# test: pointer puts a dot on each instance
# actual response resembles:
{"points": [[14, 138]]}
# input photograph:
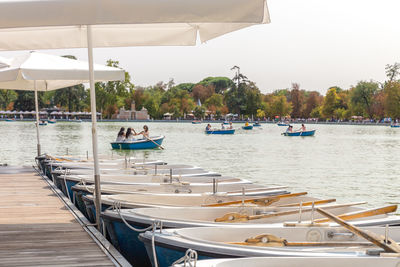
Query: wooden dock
{"points": [[37, 228]]}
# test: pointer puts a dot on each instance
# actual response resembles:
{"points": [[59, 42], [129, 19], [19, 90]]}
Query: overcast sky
{"points": [[316, 43]]}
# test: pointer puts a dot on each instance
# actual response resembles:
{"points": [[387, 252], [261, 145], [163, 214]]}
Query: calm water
{"points": [[349, 163]]}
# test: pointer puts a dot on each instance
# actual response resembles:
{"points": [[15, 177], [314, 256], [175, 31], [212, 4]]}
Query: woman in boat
{"points": [[121, 135], [208, 128], [145, 133], [303, 128], [289, 129], [246, 124], [129, 136], [230, 126], [222, 126]]}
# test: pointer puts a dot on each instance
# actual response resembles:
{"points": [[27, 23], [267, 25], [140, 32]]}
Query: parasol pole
{"points": [[37, 118], [97, 192]]}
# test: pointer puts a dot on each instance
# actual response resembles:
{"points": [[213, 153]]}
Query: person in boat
{"points": [[208, 128], [246, 124], [289, 129], [230, 126], [222, 126], [121, 135], [129, 136], [303, 128], [145, 133]]}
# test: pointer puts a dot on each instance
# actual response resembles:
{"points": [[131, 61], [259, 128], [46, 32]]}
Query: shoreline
{"points": [[218, 121]]}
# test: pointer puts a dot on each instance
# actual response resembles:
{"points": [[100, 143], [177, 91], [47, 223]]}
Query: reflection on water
{"points": [[350, 163]]}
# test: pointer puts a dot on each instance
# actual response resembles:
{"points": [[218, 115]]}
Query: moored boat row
{"points": [[217, 216]]}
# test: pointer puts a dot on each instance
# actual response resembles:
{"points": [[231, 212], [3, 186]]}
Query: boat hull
{"points": [[306, 133], [282, 124], [228, 131], [139, 144], [250, 127]]}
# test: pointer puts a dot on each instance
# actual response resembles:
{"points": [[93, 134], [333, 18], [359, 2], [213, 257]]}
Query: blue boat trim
{"points": [[221, 131], [175, 252], [250, 127], [139, 144], [305, 133]]}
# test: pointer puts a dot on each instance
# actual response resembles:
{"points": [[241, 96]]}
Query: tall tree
{"points": [[392, 99], [330, 103], [314, 99], [363, 95], [280, 107], [297, 99], [392, 71]]}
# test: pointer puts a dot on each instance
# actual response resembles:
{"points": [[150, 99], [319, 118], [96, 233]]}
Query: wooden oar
{"points": [[284, 243], [148, 138], [265, 201], [257, 189], [389, 246], [362, 214], [237, 217], [309, 203]]}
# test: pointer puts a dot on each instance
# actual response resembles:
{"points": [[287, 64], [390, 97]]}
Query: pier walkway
{"points": [[38, 228]]}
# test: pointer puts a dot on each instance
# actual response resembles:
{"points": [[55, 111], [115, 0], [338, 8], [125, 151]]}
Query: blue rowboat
{"points": [[283, 124], [196, 122], [221, 131], [250, 127], [305, 133], [226, 122], [140, 143], [10, 120], [51, 121], [43, 123], [395, 126], [256, 124]]}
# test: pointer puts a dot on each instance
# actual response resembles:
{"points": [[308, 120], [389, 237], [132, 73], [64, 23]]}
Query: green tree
{"points": [[216, 100], [363, 96], [6, 98], [392, 99], [280, 107], [199, 112], [220, 84], [72, 98]]}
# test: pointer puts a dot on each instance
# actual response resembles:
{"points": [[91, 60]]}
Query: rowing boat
{"points": [[248, 127], [261, 241], [300, 133], [145, 143], [294, 261]]}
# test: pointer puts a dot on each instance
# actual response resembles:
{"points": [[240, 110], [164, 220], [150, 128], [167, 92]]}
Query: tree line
{"points": [[218, 96]]}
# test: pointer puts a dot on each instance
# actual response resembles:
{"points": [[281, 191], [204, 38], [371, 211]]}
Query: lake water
{"points": [[349, 163]]}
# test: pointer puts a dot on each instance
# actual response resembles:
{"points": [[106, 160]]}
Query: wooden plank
{"points": [[36, 229]]}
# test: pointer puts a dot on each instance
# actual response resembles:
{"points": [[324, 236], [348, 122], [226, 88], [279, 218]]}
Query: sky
{"points": [[316, 43]]}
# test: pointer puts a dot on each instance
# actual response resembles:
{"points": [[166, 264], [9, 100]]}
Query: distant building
{"points": [[132, 114]]}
